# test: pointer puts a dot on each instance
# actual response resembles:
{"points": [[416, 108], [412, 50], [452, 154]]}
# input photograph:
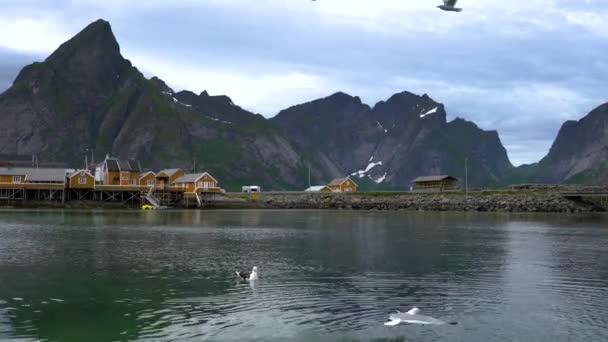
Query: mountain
{"points": [[394, 142], [579, 153], [87, 98]]}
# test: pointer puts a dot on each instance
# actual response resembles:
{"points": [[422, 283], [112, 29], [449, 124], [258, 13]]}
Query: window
{"points": [[150, 181], [125, 177], [348, 190], [205, 185], [131, 181], [199, 184], [82, 180], [16, 179]]}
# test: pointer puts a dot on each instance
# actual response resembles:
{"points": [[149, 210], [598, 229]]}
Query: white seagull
{"points": [[249, 276], [413, 317], [448, 5]]}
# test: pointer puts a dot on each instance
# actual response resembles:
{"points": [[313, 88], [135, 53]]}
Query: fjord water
{"points": [[324, 276]]}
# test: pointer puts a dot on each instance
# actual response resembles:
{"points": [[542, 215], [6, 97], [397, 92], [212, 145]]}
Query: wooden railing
{"points": [[33, 186]]}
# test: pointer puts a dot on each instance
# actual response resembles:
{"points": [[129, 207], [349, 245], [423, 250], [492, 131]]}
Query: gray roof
{"points": [[169, 172], [128, 165], [316, 188], [192, 177], [434, 178], [77, 172], [36, 175], [114, 164], [143, 174]]}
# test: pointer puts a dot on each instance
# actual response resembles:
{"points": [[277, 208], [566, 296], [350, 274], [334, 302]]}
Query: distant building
{"points": [[114, 171], [168, 176], [32, 175], [81, 179], [318, 188], [435, 183], [147, 179], [342, 185], [197, 182]]}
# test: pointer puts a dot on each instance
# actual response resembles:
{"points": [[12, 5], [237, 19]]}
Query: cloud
{"points": [[521, 67]]}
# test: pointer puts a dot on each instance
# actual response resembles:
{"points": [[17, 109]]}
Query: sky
{"points": [[521, 67]]}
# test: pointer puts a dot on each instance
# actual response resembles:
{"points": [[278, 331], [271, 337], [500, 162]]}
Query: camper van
{"points": [[251, 189]]}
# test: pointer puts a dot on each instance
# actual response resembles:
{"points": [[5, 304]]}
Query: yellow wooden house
{"points": [[10, 175], [436, 183], [113, 171], [197, 182], [16, 176], [81, 179], [168, 176], [342, 185], [147, 179]]}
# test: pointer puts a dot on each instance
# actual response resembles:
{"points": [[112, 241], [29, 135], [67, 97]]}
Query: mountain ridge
{"points": [[86, 97]]}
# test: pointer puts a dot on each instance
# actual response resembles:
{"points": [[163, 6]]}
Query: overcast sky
{"points": [[521, 67]]}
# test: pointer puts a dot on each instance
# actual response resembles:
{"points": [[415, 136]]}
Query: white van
{"points": [[251, 189]]}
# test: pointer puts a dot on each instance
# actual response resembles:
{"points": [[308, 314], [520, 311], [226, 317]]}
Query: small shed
{"points": [[168, 176], [81, 179], [436, 183], [147, 179], [318, 188], [12, 175], [198, 182], [114, 171], [342, 185]]}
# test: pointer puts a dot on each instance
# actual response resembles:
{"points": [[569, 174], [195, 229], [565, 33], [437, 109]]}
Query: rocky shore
{"points": [[481, 201]]}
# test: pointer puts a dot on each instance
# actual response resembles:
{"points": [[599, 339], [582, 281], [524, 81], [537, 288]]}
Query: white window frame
{"points": [[206, 185], [150, 181], [132, 182], [125, 178], [82, 180], [199, 184], [16, 179]]}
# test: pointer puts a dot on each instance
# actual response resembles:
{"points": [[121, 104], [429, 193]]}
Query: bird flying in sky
{"points": [[449, 5]]}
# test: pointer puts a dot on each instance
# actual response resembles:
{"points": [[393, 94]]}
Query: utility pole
{"points": [[309, 175], [466, 178]]}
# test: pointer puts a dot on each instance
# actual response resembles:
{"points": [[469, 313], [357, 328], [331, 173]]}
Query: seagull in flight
{"points": [[448, 5]]}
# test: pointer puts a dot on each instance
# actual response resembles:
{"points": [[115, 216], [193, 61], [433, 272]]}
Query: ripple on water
{"points": [[315, 305]]}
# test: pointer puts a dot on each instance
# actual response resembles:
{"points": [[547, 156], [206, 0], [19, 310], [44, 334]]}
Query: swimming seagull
{"points": [[413, 317], [448, 5], [248, 276]]}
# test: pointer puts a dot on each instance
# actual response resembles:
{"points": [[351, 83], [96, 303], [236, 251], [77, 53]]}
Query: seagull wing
{"points": [[244, 275], [414, 311], [393, 322]]}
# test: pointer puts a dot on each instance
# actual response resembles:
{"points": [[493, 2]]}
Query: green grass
{"points": [[592, 176]]}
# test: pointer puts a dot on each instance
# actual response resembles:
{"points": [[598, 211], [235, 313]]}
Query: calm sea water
{"points": [[324, 276]]}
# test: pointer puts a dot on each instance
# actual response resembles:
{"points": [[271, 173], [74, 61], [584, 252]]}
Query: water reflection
{"points": [[130, 275]]}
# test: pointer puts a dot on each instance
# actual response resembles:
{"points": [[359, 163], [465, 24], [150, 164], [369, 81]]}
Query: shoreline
{"points": [[482, 201]]}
